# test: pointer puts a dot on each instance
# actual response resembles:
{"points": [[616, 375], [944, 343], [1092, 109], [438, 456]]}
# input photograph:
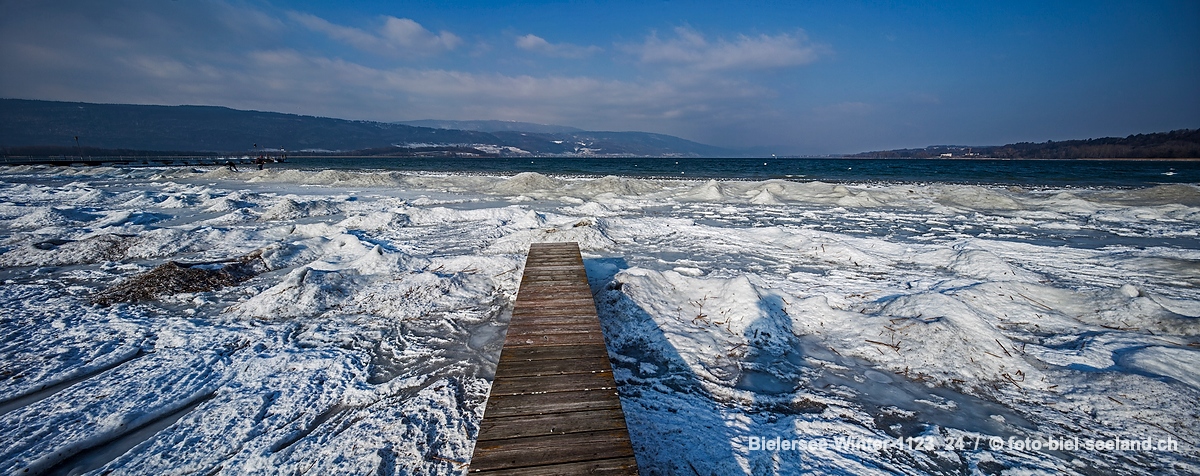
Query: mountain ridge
{"points": [[32, 125], [26, 122], [1176, 144], [491, 126]]}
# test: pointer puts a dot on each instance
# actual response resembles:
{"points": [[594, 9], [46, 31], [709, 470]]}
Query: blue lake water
{"points": [[1082, 173]]}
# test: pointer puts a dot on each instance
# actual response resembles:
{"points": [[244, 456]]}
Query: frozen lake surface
{"points": [[908, 327]]}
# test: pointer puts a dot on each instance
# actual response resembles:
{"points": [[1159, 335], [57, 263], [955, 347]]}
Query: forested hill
{"points": [[1178, 144], [30, 124]]}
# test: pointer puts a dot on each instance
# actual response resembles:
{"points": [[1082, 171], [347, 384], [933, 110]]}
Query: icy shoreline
{"points": [[734, 310]]}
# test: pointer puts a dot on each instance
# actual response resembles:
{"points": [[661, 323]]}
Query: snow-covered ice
{"points": [[944, 317]]}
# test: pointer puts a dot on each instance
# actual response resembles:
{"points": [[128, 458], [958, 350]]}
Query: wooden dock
{"points": [[553, 408]]}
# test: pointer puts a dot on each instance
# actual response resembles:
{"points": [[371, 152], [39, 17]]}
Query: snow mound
{"points": [[609, 184], [589, 233], [594, 209], [240, 215], [48, 217], [1182, 194], [290, 209], [96, 249], [315, 249], [527, 182], [710, 191], [104, 247], [978, 198], [375, 221], [304, 292], [231, 202], [966, 260]]}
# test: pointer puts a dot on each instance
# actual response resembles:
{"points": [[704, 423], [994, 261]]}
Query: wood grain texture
{"points": [[553, 407]]}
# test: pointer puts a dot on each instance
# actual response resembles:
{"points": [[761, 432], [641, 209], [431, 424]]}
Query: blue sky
{"points": [[797, 77]]}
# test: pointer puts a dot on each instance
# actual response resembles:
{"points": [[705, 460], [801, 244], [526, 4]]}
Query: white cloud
{"points": [[450, 91], [537, 44], [397, 36], [149, 52], [410, 34], [689, 48]]}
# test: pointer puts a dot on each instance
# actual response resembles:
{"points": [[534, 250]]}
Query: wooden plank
{"points": [[553, 315], [569, 327], [541, 286], [535, 294], [559, 335], [522, 335], [557, 402], [543, 252], [552, 258], [556, 296], [546, 289], [531, 315], [553, 269], [529, 368], [553, 406], [546, 306], [546, 303], [523, 316], [543, 278], [607, 467], [547, 352], [558, 286], [550, 269], [556, 299], [501, 428], [556, 339], [549, 318], [534, 279], [560, 275], [539, 384], [552, 449], [542, 322], [541, 273]]}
